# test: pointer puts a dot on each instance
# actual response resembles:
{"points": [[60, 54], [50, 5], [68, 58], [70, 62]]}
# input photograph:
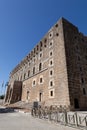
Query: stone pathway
{"points": [[22, 121]]}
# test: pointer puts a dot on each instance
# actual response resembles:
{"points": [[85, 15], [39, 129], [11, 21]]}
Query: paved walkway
{"points": [[22, 121]]}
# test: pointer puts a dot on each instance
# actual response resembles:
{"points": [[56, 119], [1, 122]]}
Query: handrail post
{"points": [[76, 119]]}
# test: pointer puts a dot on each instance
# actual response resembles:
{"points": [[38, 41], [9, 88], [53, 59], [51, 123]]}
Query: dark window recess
{"points": [[45, 45], [33, 70], [51, 62], [41, 44], [40, 97], [78, 58], [84, 91], [40, 66], [50, 43], [41, 80], [28, 73], [80, 68], [50, 53], [40, 49], [50, 34], [82, 80], [76, 103], [34, 82], [51, 83], [45, 40], [51, 93], [40, 54], [27, 95], [75, 37], [56, 25], [57, 34], [51, 72], [86, 57]]}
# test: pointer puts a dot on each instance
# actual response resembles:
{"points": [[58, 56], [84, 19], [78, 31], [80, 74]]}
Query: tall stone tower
{"points": [[55, 71]]}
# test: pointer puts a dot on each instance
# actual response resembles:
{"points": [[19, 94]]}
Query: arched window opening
{"points": [[28, 73], [40, 97], [33, 70], [40, 66]]}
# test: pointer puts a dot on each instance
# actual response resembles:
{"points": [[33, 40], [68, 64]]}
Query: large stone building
{"points": [[55, 71]]}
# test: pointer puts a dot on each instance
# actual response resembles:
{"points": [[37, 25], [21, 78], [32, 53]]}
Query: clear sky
{"points": [[24, 22]]}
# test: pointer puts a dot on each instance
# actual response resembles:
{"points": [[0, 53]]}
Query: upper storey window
{"points": [[51, 53], [45, 42], [78, 58], [51, 62], [41, 80], [24, 75], [34, 82], [28, 73], [57, 34], [51, 43], [33, 70], [41, 44], [40, 66], [40, 55], [50, 35], [56, 25], [37, 47], [82, 80]]}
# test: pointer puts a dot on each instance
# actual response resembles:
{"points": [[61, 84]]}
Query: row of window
{"points": [[31, 55], [41, 80], [26, 75], [51, 83], [51, 95], [40, 68], [39, 47], [41, 56]]}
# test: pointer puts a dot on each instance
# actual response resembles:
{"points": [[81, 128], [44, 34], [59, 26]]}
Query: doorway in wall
{"points": [[40, 96], [76, 103], [28, 95]]}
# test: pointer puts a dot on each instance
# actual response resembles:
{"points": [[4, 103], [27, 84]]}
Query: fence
{"points": [[62, 116]]}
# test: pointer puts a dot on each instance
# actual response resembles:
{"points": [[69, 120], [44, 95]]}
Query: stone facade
{"points": [[55, 71]]}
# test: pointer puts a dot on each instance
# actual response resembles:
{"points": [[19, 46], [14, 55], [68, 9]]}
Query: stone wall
{"points": [[54, 72], [76, 57]]}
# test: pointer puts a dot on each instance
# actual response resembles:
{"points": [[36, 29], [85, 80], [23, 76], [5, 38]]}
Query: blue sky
{"points": [[24, 22]]}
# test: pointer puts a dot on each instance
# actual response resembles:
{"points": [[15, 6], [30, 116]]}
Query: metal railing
{"points": [[61, 115]]}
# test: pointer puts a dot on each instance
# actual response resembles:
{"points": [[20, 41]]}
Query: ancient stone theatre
{"points": [[54, 72]]}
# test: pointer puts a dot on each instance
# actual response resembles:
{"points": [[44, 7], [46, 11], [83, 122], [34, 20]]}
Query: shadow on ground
{"points": [[6, 110]]}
